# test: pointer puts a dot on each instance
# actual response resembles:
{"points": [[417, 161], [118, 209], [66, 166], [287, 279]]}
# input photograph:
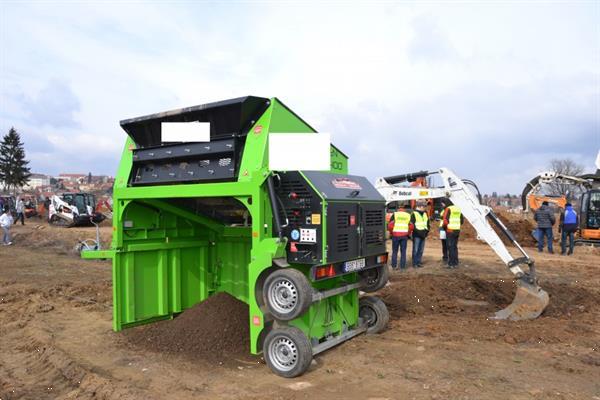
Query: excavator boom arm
{"points": [[530, 300]]}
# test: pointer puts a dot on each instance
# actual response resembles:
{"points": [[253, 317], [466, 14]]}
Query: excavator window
{"points": [[593, 214]]}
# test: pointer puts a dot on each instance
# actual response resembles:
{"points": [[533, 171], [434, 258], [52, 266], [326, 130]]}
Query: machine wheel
{"points": [[374, 279], [287, 351], [287, 293], [373, 310]]}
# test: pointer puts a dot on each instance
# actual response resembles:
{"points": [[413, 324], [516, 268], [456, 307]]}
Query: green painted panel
{"points": [[233, 260], [339, 161], [146, 282]]}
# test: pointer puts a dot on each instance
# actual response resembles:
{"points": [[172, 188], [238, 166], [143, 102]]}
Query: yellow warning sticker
{"points": [[316, 219]]}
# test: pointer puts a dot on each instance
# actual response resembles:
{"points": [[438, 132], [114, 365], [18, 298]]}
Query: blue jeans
{"points": [[548, 233], [452, 243], [6, 236], [417, 250], [399, 242], [563, 241]]}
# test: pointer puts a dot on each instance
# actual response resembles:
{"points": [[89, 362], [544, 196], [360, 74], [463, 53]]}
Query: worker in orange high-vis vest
{"points": [[452, 220], [400, 229]]}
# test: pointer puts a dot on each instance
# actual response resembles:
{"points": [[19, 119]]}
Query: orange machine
{"points": [[534, 201], [589, 207], [589, 219]]}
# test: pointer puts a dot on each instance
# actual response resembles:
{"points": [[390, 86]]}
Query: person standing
{"points": [[47, 203], [568, 223], [451, 221], [400, 229], [6, 220], [420, 221], [545, 221], [20, 207], [442, 232]]}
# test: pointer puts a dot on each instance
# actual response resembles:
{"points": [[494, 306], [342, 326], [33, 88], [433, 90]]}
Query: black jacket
{"points": [[544, 217]]}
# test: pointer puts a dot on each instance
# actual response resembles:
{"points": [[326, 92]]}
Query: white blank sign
{"points": [[185, 131], [299, 151]]}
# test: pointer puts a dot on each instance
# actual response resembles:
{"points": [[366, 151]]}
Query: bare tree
{"points": [[565, 166]]}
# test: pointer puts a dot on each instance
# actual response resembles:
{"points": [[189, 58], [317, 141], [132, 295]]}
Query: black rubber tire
{"points": [[293, 344], [374, 311], [374, 279], [292, 284]]}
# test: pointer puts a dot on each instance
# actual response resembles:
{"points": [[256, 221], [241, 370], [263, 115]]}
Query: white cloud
{"points": [[383, 78]]}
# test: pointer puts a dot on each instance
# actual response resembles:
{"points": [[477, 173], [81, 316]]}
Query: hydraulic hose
{"points": [[274, 207], [410, 177]]}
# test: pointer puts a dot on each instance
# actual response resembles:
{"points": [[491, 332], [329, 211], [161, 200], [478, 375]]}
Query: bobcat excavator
{"points": [[530, 299]]}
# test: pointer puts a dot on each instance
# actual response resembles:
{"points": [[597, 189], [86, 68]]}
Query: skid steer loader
{"points": [[530, 299], [74, 209]]}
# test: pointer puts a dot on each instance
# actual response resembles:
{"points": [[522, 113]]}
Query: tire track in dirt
{"points": [[38, 369]]}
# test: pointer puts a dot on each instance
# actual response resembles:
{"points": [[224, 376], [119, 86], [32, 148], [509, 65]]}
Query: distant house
{"points": [[75, 178], [36, 181]]}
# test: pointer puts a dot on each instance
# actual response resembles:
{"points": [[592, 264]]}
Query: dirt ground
{"points": [[56, 340]]}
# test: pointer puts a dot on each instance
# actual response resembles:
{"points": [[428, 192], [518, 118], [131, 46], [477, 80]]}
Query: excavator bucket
{"points": [[529, 302]]}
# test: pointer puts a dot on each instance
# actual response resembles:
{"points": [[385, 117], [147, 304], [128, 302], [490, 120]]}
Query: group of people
{"points": [[408, 224], [6, 220], [567, 226]]}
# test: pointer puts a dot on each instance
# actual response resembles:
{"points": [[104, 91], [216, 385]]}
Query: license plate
{"points": [[354, 265]]}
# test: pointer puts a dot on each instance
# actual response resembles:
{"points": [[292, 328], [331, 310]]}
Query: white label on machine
{"points": [[308, 235], [299, 151], [185, 131]]}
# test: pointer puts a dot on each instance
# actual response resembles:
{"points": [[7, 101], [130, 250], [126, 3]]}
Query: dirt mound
{"points": [[215, 331], [59, 239], [459, 293], [520, 228]]}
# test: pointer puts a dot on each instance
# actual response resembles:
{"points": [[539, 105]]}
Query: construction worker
{"points": [[20, 211], [442, 232], [452, 220], [545, 221], [400, 229], [568, 223], [420, 221]]}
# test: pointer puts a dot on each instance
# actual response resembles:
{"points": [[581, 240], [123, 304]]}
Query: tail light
{"points": [[325, 271], [382, 259]]}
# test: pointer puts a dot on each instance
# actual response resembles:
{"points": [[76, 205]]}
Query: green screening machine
{"points": [[192, 219]]}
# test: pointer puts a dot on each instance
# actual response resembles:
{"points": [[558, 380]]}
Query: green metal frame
{"points": [[166, 259]]}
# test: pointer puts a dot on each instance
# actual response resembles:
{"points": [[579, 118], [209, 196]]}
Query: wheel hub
{"points": [[283, 296], [283, 353], [372, 275], [368, 314]]}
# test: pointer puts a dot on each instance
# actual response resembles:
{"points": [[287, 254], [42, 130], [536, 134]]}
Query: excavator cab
{"points": [[589, 221]]}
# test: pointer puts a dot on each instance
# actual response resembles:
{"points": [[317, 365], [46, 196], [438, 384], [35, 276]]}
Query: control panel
{"points": [[308, 235]]}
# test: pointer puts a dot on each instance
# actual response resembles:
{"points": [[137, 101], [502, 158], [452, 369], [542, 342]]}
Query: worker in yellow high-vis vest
{"points": [[400, 229], [420, 221], [452, 220]]}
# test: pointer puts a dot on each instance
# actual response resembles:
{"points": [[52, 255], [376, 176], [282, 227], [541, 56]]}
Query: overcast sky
{"points": [[493, 91]]}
